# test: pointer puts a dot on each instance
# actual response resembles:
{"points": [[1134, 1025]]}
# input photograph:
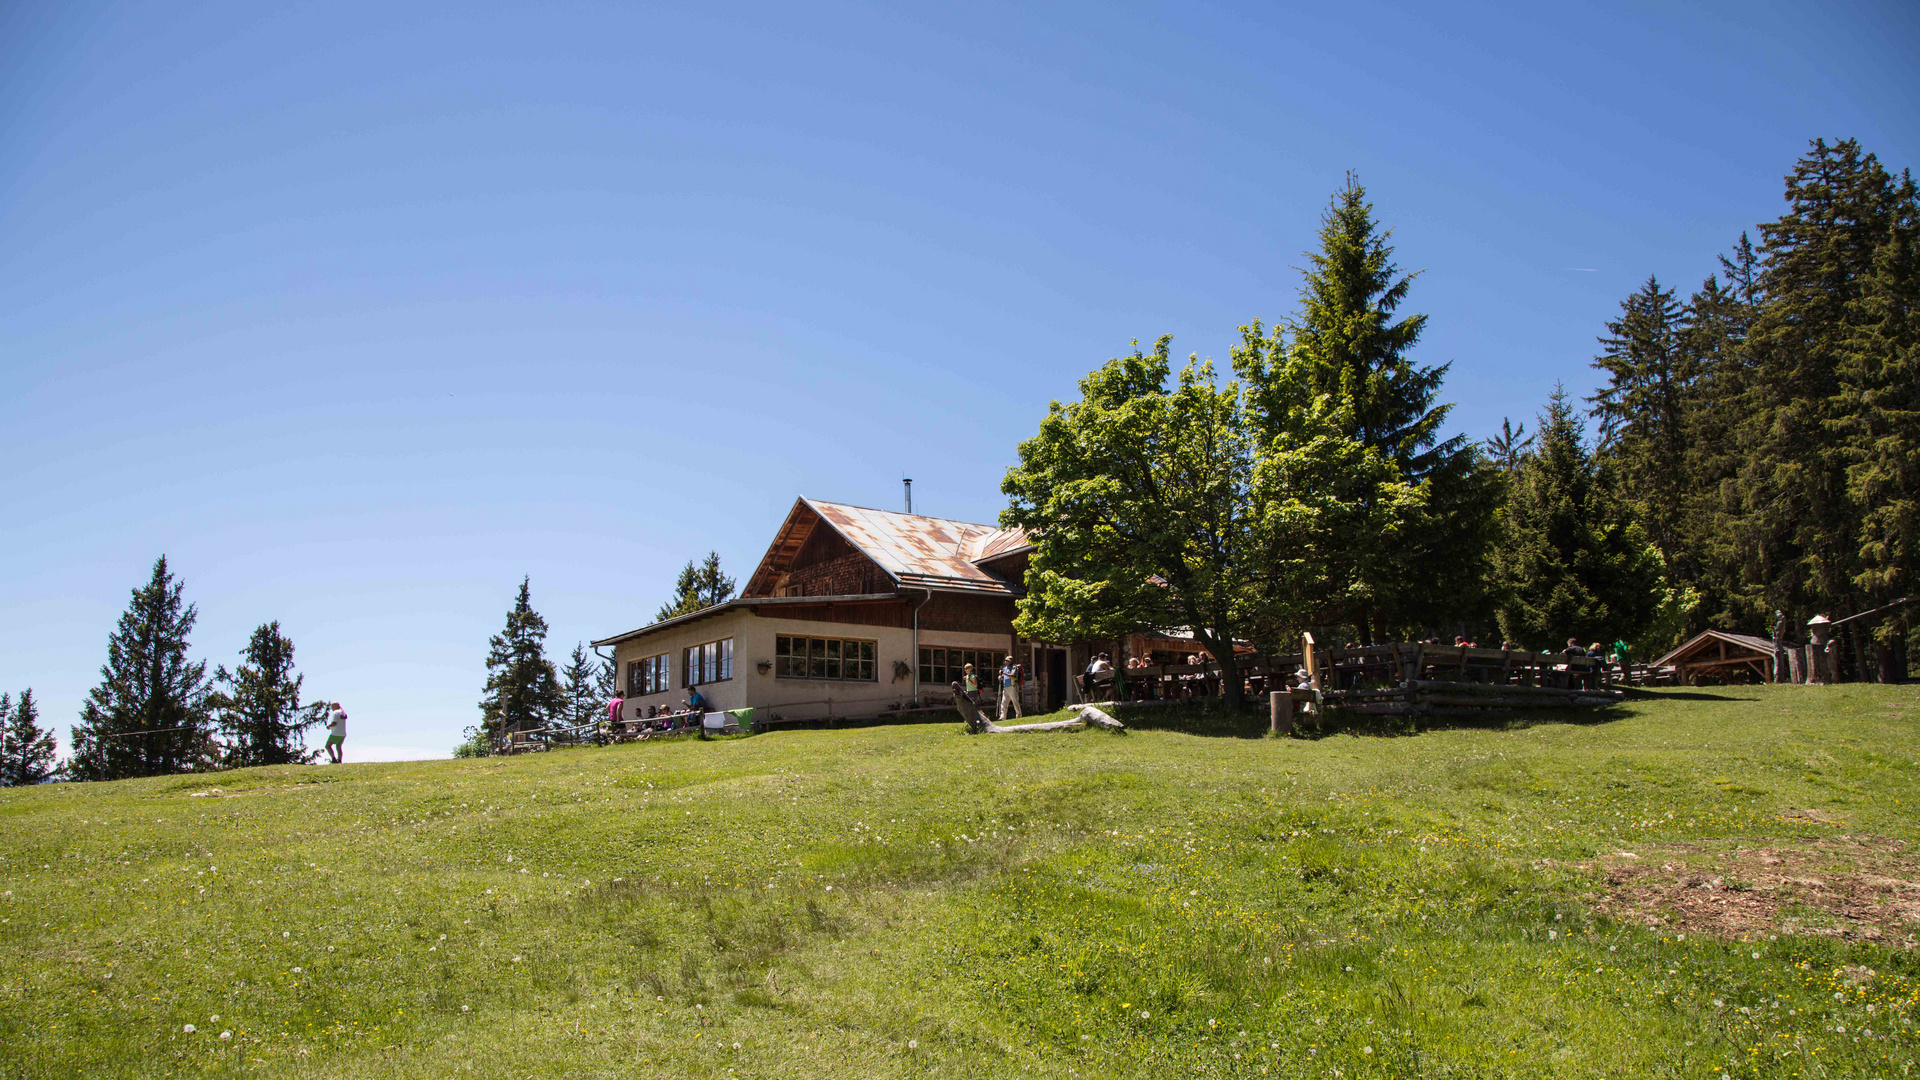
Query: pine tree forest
{"points": [[1764, 431]]}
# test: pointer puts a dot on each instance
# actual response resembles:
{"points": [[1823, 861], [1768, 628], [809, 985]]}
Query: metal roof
{"points": [[916, 551]]}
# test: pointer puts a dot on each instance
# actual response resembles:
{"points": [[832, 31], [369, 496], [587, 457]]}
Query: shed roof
{"points": [[1693, 644], [741, 602]]}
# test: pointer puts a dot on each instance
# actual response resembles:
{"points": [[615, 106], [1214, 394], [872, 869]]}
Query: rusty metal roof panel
{"points": [[925, 552]]}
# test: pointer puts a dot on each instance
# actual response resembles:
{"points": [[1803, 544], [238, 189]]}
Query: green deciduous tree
{"points": [[523, 691], [1569, 561], [1155, 503], [149, 714], [28, 753], [257, 705], [699, 586]]}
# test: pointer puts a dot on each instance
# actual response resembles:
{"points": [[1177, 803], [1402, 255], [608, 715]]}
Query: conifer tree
{"points": [[148, 716], [257, 705], [1354, 348], [606, 680], [1569, 563], [1644, 412], [1798, 522], [522, 692], [1508, 448], [1878, 421], [699, 586], [580, 689], [28, 754]]}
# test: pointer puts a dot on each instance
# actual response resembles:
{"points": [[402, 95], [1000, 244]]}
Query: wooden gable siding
{"points": [[894, 613], [968, 614], [826, 565]]}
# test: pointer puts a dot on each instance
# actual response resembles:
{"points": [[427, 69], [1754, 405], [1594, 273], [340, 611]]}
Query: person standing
{"points": [[1012, 677], [970, 684], [336, 733]]}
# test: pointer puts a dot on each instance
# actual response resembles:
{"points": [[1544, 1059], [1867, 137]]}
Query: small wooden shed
{"points": [[1717, 652]]}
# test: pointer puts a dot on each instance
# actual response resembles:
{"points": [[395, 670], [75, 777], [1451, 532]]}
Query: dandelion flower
{"points": [[1756, 956], [1366, 1049], [465, 1008], [1144, 1014], [913, 1044], [188, 1028], [225, 1035], [214, 1019], [296, 971]]}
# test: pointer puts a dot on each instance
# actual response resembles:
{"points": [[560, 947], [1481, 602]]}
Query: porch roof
{"points": [[741, 603]]}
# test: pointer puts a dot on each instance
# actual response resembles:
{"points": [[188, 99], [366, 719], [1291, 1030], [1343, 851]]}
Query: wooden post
{"points": [[1280, 713], [1308, 660]]}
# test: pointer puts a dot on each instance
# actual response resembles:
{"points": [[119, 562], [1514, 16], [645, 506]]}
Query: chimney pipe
{"points": [[909, 486]]}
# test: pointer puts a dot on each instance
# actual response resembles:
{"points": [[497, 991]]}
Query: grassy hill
{"points": [[1708, 882]]}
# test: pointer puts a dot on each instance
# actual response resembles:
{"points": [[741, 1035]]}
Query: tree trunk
{"points": [[1231, 692]]}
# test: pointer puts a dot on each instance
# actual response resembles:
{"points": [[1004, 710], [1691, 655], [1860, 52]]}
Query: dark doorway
{"points": [[1056, 684]]}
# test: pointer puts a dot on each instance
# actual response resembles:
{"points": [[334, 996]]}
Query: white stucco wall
{"points": [[753, 641]]}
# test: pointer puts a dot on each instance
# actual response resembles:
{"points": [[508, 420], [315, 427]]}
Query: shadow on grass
{"points": [[1212, 719]]}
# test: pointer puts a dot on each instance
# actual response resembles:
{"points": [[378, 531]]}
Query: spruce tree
{"points": [[28, 754], [700, 585], [1508, 448], [580, 687], [1877, 413], [1354, 348], [148, 716], [1798, 522], [257, 705], [1569, 562], [1644, 412], [522, 692]]}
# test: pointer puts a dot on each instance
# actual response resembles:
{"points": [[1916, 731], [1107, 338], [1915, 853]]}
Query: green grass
{"points": [[1621, 898]]}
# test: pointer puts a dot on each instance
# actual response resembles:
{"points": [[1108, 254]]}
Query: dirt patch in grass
{"points": [[1864, 888]]}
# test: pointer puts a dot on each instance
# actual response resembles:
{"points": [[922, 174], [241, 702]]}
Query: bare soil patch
{"points": [[1846, 886]]}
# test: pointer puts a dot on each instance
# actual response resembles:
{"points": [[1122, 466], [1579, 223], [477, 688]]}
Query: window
{"points": [[650, 676], [823, 658], [938, 667], [712, 662]]}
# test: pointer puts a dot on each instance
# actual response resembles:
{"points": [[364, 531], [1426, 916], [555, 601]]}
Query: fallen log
{"points": [[1092, 715]]}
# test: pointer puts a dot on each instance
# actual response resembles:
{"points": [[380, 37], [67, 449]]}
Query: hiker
{"points": [[1011, 679], [336, 734], [970, 684]]}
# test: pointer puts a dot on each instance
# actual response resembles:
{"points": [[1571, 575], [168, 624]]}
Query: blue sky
{"points": [[359, 312]]}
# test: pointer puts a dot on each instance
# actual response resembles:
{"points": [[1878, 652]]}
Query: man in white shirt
{"points": [[336, 733]]}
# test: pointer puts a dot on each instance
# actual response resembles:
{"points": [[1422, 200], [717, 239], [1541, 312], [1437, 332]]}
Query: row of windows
{"points": [[823, 658], [939, 667], [649, 676], [809, 658], [711, 662]]}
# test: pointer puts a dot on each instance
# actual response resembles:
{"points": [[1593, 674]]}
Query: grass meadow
{"points": [[1703, 883]]}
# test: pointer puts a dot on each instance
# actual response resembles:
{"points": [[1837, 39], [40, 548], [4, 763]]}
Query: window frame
{"points": [[950, 662], [714, 663], [650, 675], [816, 661]]}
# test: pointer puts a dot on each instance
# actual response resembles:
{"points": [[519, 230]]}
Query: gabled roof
{"points": [[915, 551], [1745, 641]]}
